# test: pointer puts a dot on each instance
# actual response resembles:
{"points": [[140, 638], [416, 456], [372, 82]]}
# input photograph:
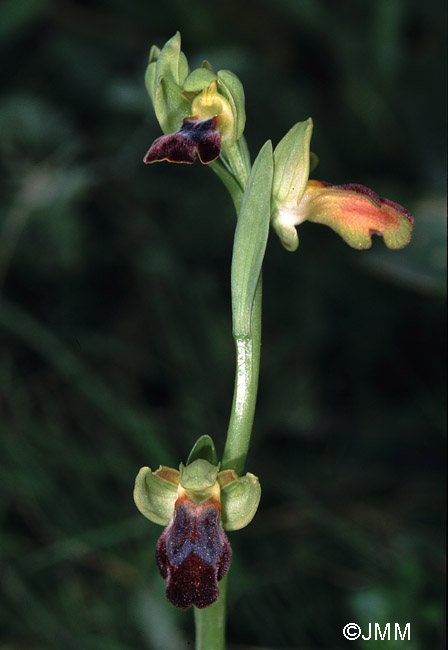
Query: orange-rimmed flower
{"points": [[194, 135], [353, 211]]}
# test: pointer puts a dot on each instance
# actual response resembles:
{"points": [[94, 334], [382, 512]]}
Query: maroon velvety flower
{"points": [[193, 553], [194, 135]]}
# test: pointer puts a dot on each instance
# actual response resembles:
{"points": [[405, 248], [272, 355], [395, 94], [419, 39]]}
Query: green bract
{"points": [[155, 493], [251, 237]]}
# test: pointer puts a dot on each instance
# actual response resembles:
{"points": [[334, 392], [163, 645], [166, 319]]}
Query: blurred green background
{"points": [[116, 348]]}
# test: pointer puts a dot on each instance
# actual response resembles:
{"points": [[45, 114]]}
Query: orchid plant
{"points": [[202, 112]]}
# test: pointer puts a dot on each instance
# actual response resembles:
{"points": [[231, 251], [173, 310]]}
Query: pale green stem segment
{"points": [[245, 392], [232, 185], [237, 157], [210, 623], [254, 209]]}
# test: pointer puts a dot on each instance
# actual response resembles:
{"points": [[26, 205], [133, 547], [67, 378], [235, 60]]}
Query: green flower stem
{"points": [[245, 393], [210, 623], [237, 157], [232, 185], [246, 290]]}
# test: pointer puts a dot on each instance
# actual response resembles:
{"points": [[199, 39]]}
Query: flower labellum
{"points": [[193, 552], [353, 211], [180, 147], [356, 213]]}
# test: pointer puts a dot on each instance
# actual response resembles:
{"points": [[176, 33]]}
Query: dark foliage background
{"points": [[116, 347]]}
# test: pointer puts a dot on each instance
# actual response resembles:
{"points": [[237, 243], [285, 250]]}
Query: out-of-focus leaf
{"points": [[16, 17]]}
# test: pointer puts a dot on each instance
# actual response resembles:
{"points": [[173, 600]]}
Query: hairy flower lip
{"points": [[353, 211], [193, 552], [373, 196], [180, 147]]}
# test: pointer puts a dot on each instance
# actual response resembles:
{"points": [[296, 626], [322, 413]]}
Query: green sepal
{"points": [[164, 78], [155, 493], [203, 448], [232, 89], [251, 236], [239, 501], [198, 476], [150, 73], [170, 106], [172, 62], [292, 165], [198, 80], [154, 54], [292, 160], [207, 64], [150, 76]]}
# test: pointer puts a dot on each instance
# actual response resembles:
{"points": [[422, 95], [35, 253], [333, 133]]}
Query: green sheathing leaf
{"points": [[251, 236]]}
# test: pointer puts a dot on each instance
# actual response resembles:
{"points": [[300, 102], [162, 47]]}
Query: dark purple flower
{"points": [[194, 135], [193, 553]]}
